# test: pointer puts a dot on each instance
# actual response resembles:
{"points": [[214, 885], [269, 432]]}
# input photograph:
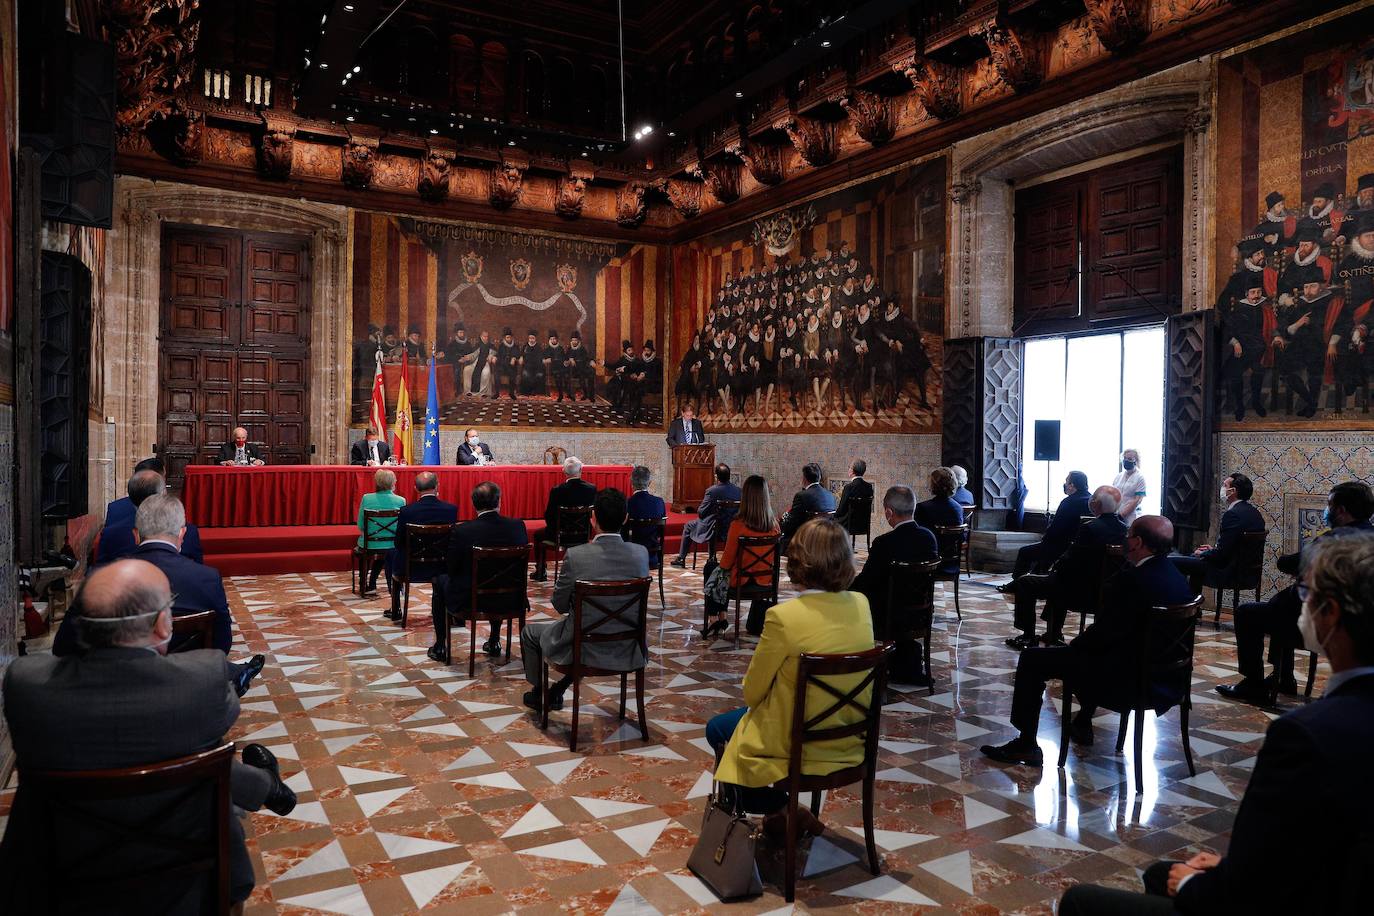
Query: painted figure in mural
{"points": [[507, 364], [686, 388], [532, 380], [1364, 203], [645, 376], [1350, 335], [1297, 344], [620, 370], [1247, 327], [554, 365], [414, 345], [581, 368]]}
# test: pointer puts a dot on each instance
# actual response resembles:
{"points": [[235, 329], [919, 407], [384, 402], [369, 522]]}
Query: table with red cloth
{"points": [[313, 494]]}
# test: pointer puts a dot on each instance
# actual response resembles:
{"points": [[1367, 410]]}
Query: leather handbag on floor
{"points": [[724, 855]]}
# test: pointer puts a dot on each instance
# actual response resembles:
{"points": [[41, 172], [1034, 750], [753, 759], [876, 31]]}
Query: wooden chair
{"points": [[554, 454], [969, 514], [758, 558], [951, 539], [192, 631], [426, 555], [497, 572], [726, 510], [650, 533], [860, 519], [1113, 559], [1246, 574], [911, 606], [378, 525], [623, 606], [573, 527], [867, 671], [86, 886], [1164, 658]]}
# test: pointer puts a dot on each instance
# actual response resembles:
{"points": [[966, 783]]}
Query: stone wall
{"points": [[9, 585]]}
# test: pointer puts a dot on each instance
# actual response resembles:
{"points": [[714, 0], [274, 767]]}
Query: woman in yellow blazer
{"points": [[753, 744], [383, 498]]}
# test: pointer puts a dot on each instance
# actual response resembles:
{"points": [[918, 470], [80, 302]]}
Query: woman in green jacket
{"points": [[383, 498]]}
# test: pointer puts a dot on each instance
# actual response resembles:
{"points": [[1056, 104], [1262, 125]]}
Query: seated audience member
{"points": [[810, 501], [1212, 565], [240, 452], [124, 702], [753, 743], [384, 497], [369, 451], [962, 496], [1348, 508], [755, 520], [907, 542], [1062, 529], [605, 557], [1075, 577], [703, 528], [120, 512], [857, 487], [941, 511], [572, 492], [644, 504], [453, 589], [428, 509], [474, 450], [117, 540], [1100, 661], [1309, 781]]}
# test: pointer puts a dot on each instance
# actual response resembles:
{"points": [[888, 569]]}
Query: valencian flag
{"points": [[376, 418], [402, 447], [431, 453]]}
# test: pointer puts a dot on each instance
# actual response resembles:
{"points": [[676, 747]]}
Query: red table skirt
{"points": [[312, 494]]}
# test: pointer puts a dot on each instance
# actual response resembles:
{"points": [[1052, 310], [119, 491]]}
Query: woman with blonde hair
{"points": [[754, 520], [382, 498]]}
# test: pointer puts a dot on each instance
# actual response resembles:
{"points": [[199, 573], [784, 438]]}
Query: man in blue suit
{"points": [[1063, 528], [1310, 779], [428, 509], [1100, 661], [1211, 565], [711, 522], [643, 504], [811, 500], [120, 512], [117, 539]]}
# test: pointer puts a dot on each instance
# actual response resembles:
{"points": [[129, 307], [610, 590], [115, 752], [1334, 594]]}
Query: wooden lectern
{"points": [[694, 470]]}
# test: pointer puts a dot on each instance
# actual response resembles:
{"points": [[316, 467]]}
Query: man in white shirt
{"points": [[370, 451], [1131, 483], [474, 450]]}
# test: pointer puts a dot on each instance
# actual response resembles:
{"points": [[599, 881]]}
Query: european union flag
{"points": [[431, 454]]}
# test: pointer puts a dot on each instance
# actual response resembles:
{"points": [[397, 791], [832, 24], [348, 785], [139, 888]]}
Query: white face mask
{"points": [[473, 440], [1224, 497], [1308, 627]]}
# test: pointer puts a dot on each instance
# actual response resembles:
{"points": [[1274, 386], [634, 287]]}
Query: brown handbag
{"points": [[724, 855]]}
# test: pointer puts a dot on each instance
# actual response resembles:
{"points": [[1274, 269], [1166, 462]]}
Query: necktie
{"points": [[241, 457], [691, 436], [373, 446]]}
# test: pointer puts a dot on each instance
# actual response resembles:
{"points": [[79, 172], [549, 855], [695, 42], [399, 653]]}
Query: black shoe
{"points": [[436, 652], [1081, 732], [1240, 414], [1260, 411], [539, 575], [1008, 587], [1288, 687], [392, 613], [555, 699], [679, 562], [280, 799], [492, 646], [1052, 640], [249, 670], [1022, 642], [1308, 412], [1245, 692], [1016, 751]]}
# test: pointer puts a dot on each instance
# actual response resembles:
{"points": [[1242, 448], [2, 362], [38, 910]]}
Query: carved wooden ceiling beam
{"points": [[276, 146], [871, 114], [685, 196], [630, 205], [154, 56], [764, 161], [359, 162], [1015, 54], [721, 177], [436, 173], [506, 180], [1120, 24], [937, 86], [816, 141], [571, 191]]}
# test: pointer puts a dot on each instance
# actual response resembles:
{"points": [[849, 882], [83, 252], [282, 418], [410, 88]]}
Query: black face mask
{"points": [[1128, 465], [1067, 490]]}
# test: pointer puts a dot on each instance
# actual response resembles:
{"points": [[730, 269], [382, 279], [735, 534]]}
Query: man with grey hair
{"points": [[240, 452], [572, 492], [124, 702], [428, 509], [645, 505], [117, 538]]}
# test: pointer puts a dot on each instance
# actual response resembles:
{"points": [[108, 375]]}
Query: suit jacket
{"points": [[466, 456], [358, 453], [120, 513], [908, 542], [1309, 781], [962, 496], [709, 514], [808, 502], [677, 434], [856, 487], [572, 492], [939, 512], [1291, 563], [1063, 528], [427, 510], [1225, 554], [643, 504], [195, 588], [490, 529], [118, 542], [226, 452], [1078, 572], [116, 708], [606, 557]]}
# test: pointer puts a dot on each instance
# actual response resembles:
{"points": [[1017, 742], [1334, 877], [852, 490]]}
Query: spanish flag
{"points": [[401, 444]]}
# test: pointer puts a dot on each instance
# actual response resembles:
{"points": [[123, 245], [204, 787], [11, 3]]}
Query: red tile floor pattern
{"points": [[422, 790]]}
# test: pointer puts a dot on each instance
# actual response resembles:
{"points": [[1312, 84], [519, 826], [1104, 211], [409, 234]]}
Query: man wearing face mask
{"points": [[1210, 565], [1348, 508], [1131, 483], [1310, 778], [474, 450]]}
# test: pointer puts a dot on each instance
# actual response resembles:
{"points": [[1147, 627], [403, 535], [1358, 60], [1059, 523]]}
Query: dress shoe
{"points": [[555, 699], [1245, 692], [247, 671], [1081, 730], [678, 562], [1052, 640], [1007, 588], [1288, 687], [1016, 751], [436, 652], [492, 646], [392, 613], [539, 575], [1024, 641], [280, 799]]}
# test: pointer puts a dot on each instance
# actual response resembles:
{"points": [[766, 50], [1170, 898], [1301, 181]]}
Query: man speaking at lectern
{"points": [[685, 430]]}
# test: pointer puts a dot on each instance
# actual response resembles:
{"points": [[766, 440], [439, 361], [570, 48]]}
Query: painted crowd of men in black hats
{"points": [[1297, 311], [816, 330]]}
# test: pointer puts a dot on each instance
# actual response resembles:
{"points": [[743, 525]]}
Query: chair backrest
{"points": [[758, 558], [500, 573], [649, 533], [969, 513], [864, 672], [726, 510], [380, 524], [910, 596], [574, 526], [1166, 643], [951, 541], [622, 606], [860, 519], [427, 545], [83, 797], [1250, 560], [555, 454], [192, 631], [1084, 520]]}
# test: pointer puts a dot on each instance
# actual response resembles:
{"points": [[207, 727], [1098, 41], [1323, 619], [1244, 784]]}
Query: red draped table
{"points": [[312, 494]]}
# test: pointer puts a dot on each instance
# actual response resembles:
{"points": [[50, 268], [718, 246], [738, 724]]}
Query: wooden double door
{"points": [[234, 347]]}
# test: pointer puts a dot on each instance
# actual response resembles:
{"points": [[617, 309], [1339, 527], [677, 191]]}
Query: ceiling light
{"points": [[434, 130], [510, 143], [825, 44], [672, 133], [357, 69], [324, 65], [348, 7], [584, 154], [349, 118], [644, 131], [738, 94]]}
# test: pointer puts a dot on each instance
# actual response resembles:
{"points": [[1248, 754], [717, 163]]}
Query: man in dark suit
{"points": [[369, 451], [1074, 578], [1063, 528], [117, 540], [1310, 780], [642, 505], [474, 450], [571, 492], [120, 512], [808, 502], [428, 509], [1211, 565], [1099, 661], [240, 452], [686, 429], [857, 487], [909, 543], [710, 523], [123, 702], [1348, 508], [606, 557], [453, 589]]}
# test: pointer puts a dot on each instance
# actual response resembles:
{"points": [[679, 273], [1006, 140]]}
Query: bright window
{"points": [[1107, 391]]}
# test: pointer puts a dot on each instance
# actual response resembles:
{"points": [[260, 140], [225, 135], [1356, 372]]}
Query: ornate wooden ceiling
{"points": [[463, 108]]}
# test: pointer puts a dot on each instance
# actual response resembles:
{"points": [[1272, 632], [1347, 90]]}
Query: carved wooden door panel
{"points": [[1134, 243], [1048, 229]]}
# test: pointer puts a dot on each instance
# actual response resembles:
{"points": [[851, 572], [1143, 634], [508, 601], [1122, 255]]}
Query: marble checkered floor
{"points": [[422, 790]]}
